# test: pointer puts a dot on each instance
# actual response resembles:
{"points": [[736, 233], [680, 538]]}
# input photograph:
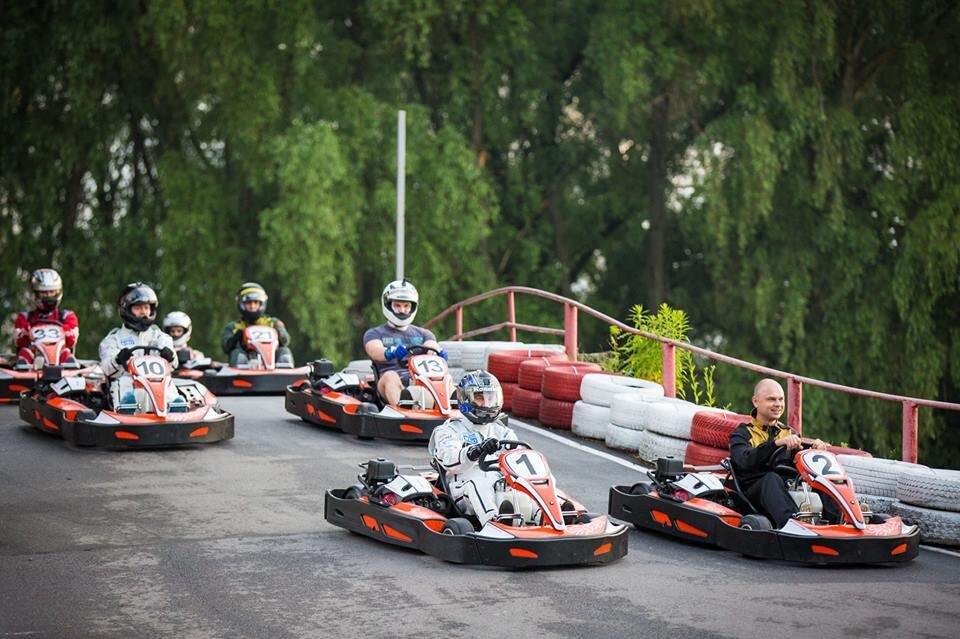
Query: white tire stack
{"points": [[931, 499], [591, 415]]}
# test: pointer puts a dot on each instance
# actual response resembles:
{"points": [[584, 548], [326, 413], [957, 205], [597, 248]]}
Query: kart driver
{"points": [[252, 304], [460, 442], [178, 326], [47, 290], [137, 306], [755, 449], [388, 345]]}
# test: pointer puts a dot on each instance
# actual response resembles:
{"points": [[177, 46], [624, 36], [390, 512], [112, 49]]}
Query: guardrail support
{"points": [[570, 331], [795, 404], [669, 370], [910, 432], [459, 322], [512, 316]]}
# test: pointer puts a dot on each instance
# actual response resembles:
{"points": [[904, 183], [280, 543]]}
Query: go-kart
{"points": [[47, 343], [166, 411], [711, 508], [261, 376], [542, 527], [352, 404]]}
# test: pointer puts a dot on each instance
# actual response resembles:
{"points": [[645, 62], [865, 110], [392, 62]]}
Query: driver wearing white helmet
{"points": [[179, 327], [388, 345], [459, 444]]}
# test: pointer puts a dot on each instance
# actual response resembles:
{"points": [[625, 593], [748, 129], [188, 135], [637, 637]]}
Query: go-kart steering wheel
{"points": [[419, 349], [785, 470], [488, 464]]}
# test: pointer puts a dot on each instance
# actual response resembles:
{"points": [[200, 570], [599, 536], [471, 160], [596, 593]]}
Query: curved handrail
{"points": [[795, 382]]}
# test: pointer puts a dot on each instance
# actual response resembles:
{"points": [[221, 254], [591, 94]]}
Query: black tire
{"points": [[641, 488], [353, 492], [457, 526], [755, 522]]}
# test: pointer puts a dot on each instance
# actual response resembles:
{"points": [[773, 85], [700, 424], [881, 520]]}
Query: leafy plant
{"points": [[642, 357]]}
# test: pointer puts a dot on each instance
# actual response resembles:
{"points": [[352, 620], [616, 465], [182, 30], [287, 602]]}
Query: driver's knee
{"points": [[389, 387]]}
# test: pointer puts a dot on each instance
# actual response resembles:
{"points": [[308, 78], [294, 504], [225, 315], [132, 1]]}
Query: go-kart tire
{"points": [[936, 488], [599, 388], [505, 364], [623, 438], [530, 371], [641, 488], [563, 382], [713, 429], [590, 421], [555, 413], [755, 522], [526, 403], [655, 445], [457, 526], [352, 492], [700, 455], [875, 475], [936, 526]]}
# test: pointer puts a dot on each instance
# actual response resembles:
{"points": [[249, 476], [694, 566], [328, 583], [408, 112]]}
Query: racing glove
{"points": [[484, 448], [166, 353], [397, 352], [444, 355], [123, 357]]}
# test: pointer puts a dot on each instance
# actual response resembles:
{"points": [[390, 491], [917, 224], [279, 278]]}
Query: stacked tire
{"points": [[592, 414], [930, 497], [560, 389], [505, 366], [527, 395], [710, 432]]}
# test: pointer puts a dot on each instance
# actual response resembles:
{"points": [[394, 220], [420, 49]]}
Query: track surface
{"points": [[230, 541]]}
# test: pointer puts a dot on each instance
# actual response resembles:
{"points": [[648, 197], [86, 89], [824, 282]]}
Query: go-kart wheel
{"points": [[353, 492], [457, 526], [641, 488], [755, 522], [442, 504]]}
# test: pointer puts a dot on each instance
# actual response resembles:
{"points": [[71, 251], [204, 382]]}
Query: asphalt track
{"points": [[230, 541]]}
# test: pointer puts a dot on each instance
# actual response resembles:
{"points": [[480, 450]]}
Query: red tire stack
{"points": [[710, 433], [505, 366], [560, 388], [526, 397]]}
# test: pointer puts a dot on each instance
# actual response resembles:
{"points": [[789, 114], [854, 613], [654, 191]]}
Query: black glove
{"points": [[166, 353], [484, 448], [123, 357]]}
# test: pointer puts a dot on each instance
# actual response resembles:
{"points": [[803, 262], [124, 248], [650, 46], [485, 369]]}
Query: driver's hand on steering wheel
{"points": [[818, 444], [397, 352], [791, 441], [123, 356], [484, 448]]}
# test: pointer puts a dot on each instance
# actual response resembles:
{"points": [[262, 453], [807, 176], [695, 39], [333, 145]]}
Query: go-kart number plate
{"points": [[261, 335], [525, 463], [430, 365], [823, 463], [46, 333], [151, 367]]}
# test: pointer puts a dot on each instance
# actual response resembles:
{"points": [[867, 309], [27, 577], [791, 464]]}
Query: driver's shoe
{"points": [[406, 399], [70, 362], [22, 364], [128, 404], [178, 405]]}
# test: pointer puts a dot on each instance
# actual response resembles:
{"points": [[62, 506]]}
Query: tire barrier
{"points": [[530, 372], [876, 476], [505, 365], [525, 402], [936, 526], [555, 413], [840, 450], [670, 417], [563, 382], [877, 503], [508, 389], [590, 420], [456, 373], [625, 409], [454, 352], [712, 428], [654, 445], [599, 389], [935, 489], [623, 438], [700, 455]]}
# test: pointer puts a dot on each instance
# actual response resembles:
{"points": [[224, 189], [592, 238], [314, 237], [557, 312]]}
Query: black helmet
{"points": [[480, 397], [250, 292], [137, 293]]}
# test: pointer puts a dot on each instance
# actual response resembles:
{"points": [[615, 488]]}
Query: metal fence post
{"points": [[669, 370], [795, 404], [570, 331], [512, 316], [459, 323], [910, 422]]}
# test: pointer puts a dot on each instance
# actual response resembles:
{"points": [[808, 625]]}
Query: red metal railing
{"points": [[794, 382]]}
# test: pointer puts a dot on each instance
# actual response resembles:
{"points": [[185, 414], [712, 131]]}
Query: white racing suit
{"points": [[121, 384], [471, 488]]}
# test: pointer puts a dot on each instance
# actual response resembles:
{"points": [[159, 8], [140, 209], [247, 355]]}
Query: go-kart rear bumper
{"points": [[692, 524], [394, 527], [238, 381], [90, 428], [357, 418]]}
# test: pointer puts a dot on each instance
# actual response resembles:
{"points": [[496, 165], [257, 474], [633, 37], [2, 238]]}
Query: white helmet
{"points": [[403, 291], [47, 288], [181, 319]]}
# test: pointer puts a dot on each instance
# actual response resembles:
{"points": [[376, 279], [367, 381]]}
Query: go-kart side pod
{"points": [[229, 380], [598, 541], [705, 521], [79, 425]]}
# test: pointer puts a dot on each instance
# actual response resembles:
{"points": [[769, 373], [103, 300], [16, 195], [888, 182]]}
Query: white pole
{"points": [[401, 167]]}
